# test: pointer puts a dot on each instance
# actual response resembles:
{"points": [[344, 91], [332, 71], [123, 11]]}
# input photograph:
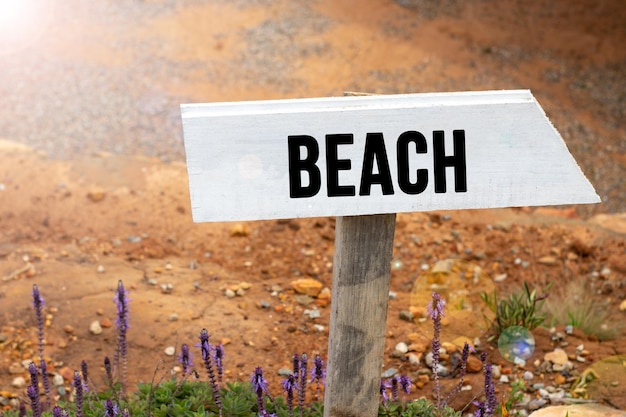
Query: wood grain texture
{"points": [[360, 294]]}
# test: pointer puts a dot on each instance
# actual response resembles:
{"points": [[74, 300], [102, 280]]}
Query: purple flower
{"points": [[435, 312], [121, 353], [219, 362], [259, 386], [58, 412], [78, 390], [109, 371], [34, 375], [45, 380], [296, 366], [33, 394], [85, 374], [111, 409], [394, 388], [38, 304], [405, 383], [206, 348], [463, 370], [185, 358], [384, 384], [289, 386], [490, 394], [302, 382], [436, 306], [318, 374]]}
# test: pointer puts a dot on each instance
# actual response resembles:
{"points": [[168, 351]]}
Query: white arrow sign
{"points": [[376, 154]]}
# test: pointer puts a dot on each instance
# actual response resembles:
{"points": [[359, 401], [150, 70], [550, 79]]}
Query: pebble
{"points": [[504, 379], [95, 327], [307, 286], [558, 356], [519, 361], [393, 295], [402, 347], [285, 372], [528, 375], [170, 350], [622, 306], [474, 365], [19, 382], [406, 315], [389, 373], [414, 359], [57, 380], [537, 403], [167, 288], [229, 293], [313, 313], [100, 269], [319, 328], [172, 317]]}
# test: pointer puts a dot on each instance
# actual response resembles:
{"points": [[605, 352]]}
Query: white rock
{"points": [[558, 356], [170, 350], [402, 347], [495, 371], [100, 269], [229, 293], [414, 359], [57, 380], [519, 361], [18, 382], [504, 379], [95, 328], [528, 375]]}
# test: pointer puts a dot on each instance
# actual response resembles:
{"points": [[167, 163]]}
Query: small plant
{"points": [[577, 307], [522, 308]]}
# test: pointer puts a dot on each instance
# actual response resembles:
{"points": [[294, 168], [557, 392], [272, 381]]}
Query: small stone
{"points": [[548, 260], [537, 404], [308, 286], [474, 365], [504, 379], [442, 370], [172, 317], [57, 380], [170, 350], [106, 323], [240, 292], [167, 288], [393, 295], [313, 313], [528, 375], [285, 372], [153, 282], [402, 347], [414, 359], [19, 382], [605, 272], [519, 362], [100, 269], [389, 373], [466, 388], [68, 329], [449, 347], [558, 356], [95, 327], [406, 316], [264, 304], [495, 371], [96, 194], [229, 293], [319, 328], [622, 306], [559, 379]]}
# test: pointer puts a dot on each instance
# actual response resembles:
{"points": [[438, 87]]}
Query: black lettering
{"points": [[375, 150], [402, 148], [456, 161], [297, 165], [334, 165]]}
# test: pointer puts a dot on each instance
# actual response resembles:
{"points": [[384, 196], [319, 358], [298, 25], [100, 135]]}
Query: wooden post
{"points": [[360, 295]]}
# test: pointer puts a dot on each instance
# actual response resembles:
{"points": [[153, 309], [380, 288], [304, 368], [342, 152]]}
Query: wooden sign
{"points": [[376, 154]]}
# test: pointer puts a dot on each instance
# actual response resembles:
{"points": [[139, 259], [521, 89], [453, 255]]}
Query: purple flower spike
{"points": [[58, 412], [405, 383], [296, 366], [185, 358], [78, 391], [111, 409], [85, 374], [219, 362], [38, 304], [318, 374], [289, 386], [206, 348], [121, 353], [259, 386], [436, 306], [304, 367], [109, 371], [383, 391], [33, 394]]}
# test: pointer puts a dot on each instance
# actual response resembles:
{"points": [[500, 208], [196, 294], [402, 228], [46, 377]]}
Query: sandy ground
{"points": [[94, 187]]}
